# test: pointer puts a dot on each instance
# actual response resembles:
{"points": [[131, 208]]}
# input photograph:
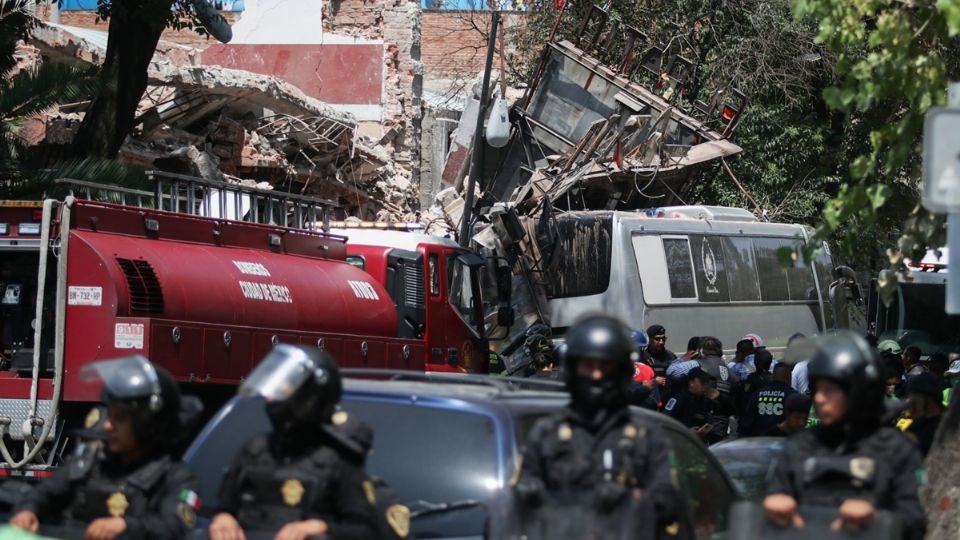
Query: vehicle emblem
{"points": [[292, 492], [565, 433], [398, 516], [339, 418], [369, 492], [117, 504], [709, 263], [93, 417], [862, 468]]}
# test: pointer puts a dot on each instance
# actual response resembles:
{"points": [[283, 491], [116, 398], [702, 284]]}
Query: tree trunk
{"points": [[941, 495], [133, 37]]}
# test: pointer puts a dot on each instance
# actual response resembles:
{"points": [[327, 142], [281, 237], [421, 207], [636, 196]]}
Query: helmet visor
{"points": [[131, 377], [279, 375]]}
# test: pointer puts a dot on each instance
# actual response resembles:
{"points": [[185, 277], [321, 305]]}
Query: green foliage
{"points": [[895, 60], [175, 14], [32, 92]]}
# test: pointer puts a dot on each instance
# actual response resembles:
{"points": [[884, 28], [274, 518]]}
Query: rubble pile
{"points": [[233, 125]]}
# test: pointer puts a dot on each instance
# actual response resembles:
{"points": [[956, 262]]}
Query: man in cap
{"points": [[131, 487], [849, 461], [657, 355], [594, 470], [304, 478]]}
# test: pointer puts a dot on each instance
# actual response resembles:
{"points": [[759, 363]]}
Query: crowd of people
{"points": [[592, 470], [754, 394]]}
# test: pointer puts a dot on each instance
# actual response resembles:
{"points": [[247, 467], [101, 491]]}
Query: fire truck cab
{"points": [[443, 293]]}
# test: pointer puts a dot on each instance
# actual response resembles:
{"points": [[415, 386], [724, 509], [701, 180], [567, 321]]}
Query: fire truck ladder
{"points": [[212, 198], [173, 193]]}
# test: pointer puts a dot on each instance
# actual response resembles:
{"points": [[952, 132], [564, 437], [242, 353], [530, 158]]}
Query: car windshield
{"points": [[918, 317], [749, 468], [428, 456]]}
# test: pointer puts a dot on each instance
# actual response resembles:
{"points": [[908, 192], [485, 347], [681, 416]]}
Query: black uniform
{"points": [[272, 484], [819, 468], [853, 457], [659, 361], [593, 470], [305, 468], [764, 409], [155, 497], [695, 411], [571, 466]]}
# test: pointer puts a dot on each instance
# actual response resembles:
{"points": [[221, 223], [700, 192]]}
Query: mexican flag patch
{"points": [[190, 498]]}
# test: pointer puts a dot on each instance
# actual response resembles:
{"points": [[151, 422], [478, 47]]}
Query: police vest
{"points": [[830, 480], [272, 495], [592, 490], [98, 495]]}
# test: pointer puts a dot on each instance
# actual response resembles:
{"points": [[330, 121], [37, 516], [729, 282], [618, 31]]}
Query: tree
{"points": [[30, 92], [134, 31]]}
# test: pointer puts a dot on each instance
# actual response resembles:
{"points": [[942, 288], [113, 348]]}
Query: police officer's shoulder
{"points": [[895, 441], [549, 426], [257, 445]]}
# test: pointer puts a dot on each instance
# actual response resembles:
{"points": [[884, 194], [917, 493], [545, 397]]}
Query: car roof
{"points": [[485, 390], [733, 445]]}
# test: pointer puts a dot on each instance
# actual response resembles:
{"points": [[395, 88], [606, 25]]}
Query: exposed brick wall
{"points": [[398, 24], [88, 19], [454, 43]]}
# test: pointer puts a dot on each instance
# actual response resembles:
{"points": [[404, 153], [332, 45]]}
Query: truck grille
{"points": [[146, 296], [413, 288]]}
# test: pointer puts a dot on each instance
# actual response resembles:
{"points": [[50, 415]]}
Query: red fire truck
{"points": [[444, 314], [204, 297]]}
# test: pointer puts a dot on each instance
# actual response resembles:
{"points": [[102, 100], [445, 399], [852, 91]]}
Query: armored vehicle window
{"points": [[679, 267], [773, 277], [741, 269]]}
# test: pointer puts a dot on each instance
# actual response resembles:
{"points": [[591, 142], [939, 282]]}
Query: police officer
{"points": [[764, 408], [848, 461], [302, 479], [699, 403], [594, 470], [132, 487]]}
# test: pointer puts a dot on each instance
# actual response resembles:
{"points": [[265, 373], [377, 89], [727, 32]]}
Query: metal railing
{"points": [[211, 198]]}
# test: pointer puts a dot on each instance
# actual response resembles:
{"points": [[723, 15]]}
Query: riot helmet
{"points": [[604, 340], [846, 359], [149, 392], [300, 384]]}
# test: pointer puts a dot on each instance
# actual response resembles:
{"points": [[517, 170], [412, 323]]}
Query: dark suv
{"points": [[447, 443]]}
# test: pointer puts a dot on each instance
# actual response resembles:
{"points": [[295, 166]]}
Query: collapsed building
{"points": [[271, 107]]}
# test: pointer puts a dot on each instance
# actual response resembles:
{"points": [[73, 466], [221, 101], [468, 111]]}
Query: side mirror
{"points": [[505, 315], [504, 285]]}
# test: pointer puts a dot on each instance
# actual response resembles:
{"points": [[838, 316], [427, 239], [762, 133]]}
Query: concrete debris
{"points": [[237, 126]]}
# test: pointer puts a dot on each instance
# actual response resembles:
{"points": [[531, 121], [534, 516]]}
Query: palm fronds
{"points": [[33, 92]]}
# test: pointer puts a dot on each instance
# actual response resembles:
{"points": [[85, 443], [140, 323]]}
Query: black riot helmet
{"points": [[301, 385], [846, 359], [599, 338], [148, 391]]}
